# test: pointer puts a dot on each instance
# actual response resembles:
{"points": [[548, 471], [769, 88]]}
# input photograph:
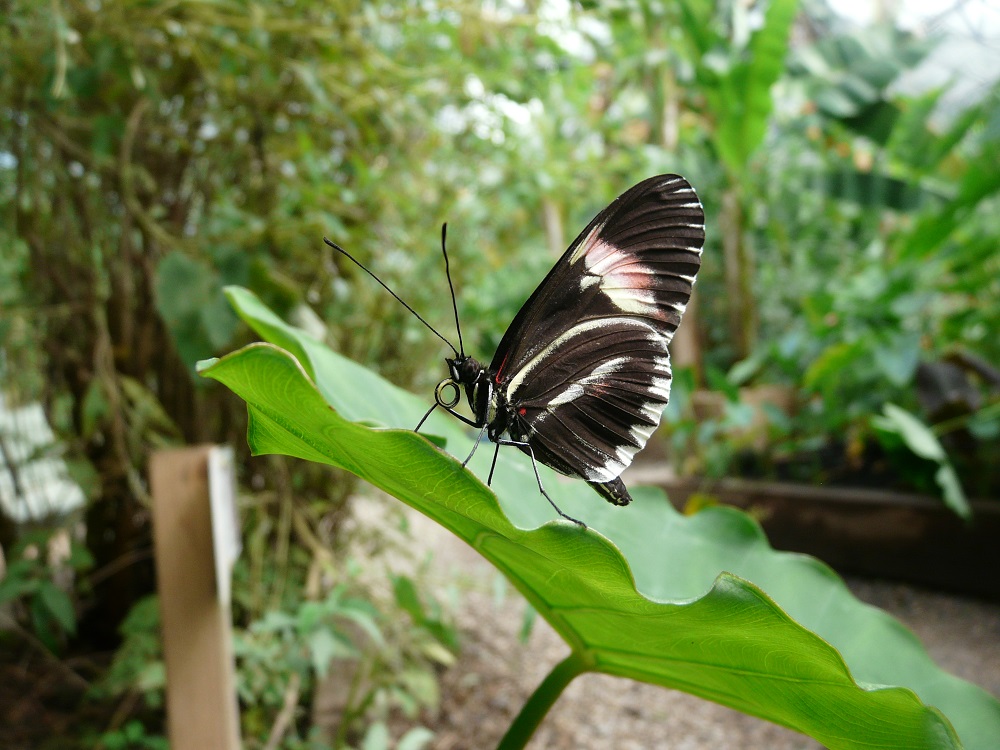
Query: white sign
{"points": [[226, 543]]}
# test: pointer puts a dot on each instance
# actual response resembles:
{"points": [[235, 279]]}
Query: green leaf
{"points": [[416, 739], [827, 367], [407, 597], [80, 558], [979, 182], [951, 491], [875, 121], [922, 441], [376, 738], [917, 436], [421, 685], [324, 646], [145, 410], [107, 133], [95, 407], [741, 98], [527, 623], [366, 622], [15, 585], [188, 299], [898, 358], [436, 652], [58, 605], [869, 188], [151, 676], [644, 592], [743, 371], [696, 17]]}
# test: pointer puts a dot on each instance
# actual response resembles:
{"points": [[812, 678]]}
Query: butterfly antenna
{"points": [[360, 265], [447, 272]]}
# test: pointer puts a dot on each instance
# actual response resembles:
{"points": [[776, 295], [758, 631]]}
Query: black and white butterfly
{"points": [[582, 375]]}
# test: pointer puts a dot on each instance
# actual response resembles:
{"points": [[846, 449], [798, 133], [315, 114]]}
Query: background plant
{"points": [[152, 152]]}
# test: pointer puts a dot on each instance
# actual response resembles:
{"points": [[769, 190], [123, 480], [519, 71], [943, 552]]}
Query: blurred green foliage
{"points": [[152, 152], [42, 564]]}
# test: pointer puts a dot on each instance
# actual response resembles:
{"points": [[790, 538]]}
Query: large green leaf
{"points": [[644, 592], [922, 441], [980, 182], [740, 96]]}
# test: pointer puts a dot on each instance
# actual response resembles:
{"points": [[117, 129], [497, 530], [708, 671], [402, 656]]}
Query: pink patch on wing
{"points": [[623, 278]]}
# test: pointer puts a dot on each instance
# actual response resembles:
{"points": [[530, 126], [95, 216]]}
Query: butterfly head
{"points": [[469, 375], [463, 369]]}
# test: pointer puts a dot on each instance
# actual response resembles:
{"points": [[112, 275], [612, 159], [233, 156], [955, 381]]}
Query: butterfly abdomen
{"points": [[615, 491]]}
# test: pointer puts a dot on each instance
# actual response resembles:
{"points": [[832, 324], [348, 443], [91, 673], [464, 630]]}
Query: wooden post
{"points": [[202, 711]]}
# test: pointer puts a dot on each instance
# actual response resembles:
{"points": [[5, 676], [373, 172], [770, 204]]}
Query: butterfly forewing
{"points": [[639, 256], [583, 370]]}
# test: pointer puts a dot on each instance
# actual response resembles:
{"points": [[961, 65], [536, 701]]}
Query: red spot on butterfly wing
{"points": [[522, 411]]}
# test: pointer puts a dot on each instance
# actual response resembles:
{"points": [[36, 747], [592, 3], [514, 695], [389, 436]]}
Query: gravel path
{"points": [[496, 671]]}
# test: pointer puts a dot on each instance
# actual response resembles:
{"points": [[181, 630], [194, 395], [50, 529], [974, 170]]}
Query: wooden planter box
{"points": [[894, 535]]}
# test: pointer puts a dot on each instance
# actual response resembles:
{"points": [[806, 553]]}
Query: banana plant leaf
{"points": [[700, 604]]}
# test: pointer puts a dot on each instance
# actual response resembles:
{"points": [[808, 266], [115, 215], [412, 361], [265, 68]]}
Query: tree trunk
{"points": [[738, 273]]}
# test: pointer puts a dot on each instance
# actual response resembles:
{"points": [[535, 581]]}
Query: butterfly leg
{"points": [[534, 466], [489, 480], [475, 445]]}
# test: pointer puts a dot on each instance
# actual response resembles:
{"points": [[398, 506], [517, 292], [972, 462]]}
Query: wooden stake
{"points": [[202, 711]]}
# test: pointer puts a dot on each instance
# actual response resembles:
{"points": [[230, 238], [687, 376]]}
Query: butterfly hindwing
{"points": [[593, 397], [583, 369]]}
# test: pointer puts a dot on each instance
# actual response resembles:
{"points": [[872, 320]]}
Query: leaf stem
{"points": [[538, 705]]}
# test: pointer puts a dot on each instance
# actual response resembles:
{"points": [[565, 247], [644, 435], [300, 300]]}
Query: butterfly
{"points": [[582, 375]]}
